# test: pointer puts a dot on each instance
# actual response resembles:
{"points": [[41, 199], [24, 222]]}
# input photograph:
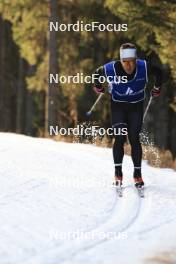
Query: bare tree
{"points": [[51, 98]]}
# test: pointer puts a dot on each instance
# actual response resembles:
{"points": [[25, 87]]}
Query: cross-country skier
{"points": [[127, 104]]}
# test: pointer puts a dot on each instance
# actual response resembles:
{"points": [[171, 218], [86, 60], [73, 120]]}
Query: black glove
{"points": [[99, 90], [156, 91]]}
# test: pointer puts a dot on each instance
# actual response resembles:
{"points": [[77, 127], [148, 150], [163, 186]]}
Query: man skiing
{"points": [[127, 104]]}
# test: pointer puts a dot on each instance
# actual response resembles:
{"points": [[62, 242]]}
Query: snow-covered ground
{"points": [[57, 205]]}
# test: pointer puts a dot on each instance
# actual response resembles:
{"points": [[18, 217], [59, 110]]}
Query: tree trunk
{"points": [[51, 106], [20, 98], [2, 72]]}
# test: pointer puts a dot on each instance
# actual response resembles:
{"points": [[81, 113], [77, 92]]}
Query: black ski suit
{"points": [[128, 115]]}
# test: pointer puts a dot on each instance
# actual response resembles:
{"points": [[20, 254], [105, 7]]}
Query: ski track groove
{"points": [[117, 230], [75, 249], [30, 194]]}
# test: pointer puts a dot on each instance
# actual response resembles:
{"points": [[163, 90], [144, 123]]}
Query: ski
{"points": [[140, 191], [119, 190]]}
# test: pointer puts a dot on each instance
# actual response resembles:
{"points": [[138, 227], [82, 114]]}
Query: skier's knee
{"points": [[134, 140], [120, 140]]}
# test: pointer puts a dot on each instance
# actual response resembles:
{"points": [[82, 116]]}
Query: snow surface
{"points": [[57, 205]]}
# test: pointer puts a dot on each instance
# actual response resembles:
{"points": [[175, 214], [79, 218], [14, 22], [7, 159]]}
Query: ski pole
{"points": [[147, 108], [92, 108]]}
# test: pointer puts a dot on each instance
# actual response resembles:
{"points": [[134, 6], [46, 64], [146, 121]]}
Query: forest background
{"points": [[29, 52]]}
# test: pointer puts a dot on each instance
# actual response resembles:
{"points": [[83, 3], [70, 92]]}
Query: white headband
{"points": [[127, 53]]}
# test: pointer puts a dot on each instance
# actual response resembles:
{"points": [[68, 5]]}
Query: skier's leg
{"points": [[118, 116], [135, 118], [118, 152]]}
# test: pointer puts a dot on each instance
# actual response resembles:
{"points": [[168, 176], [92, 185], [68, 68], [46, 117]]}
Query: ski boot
{"points": [[138, 182], [118, 185], [118, 181]]}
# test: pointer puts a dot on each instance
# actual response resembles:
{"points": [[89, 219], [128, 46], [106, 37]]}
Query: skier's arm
{"points": [[158, 76], [98, 87]]}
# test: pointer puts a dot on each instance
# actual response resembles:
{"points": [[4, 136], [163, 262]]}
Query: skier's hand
{"points": [[156, 91], [98, 90]]}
